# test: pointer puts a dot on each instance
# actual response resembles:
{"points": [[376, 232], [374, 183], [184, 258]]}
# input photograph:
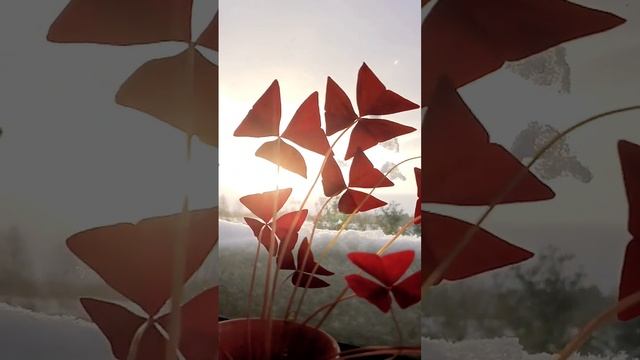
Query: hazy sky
{"points": [[300, 43]]}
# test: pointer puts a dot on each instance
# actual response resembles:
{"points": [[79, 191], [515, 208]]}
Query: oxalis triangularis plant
{"points": [[462, 41], [279, 234], [149, 262]]}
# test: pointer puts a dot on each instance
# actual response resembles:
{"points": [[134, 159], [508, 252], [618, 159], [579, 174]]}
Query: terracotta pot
{"points": [[288, 341]]}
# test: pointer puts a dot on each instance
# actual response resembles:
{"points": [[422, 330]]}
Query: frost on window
{"points": [[549, 68], [559, 161]]}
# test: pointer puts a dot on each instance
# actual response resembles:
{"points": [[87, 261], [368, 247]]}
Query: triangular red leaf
{"points": [[265, 204], [123, 22], [302, 279], [407, 292], [209, 37], [292, 221], [388, 268], [375, 99], [332, 178], [285, 155], [374, 293], [338, 111], [630, 281], [467, 39], [418, 173], [137, 260], [630, 161], [260, 231], [461, 166], [351, 199], [264, 118], [370, 132], [363, 174], [181, 90], [199, 326], [485, 252], [117, 323], [310, 264], [305, 128]]}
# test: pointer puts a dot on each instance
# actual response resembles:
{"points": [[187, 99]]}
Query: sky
{"points": [[300, 43]]}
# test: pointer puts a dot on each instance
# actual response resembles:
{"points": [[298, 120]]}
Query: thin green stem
{"points": [[444, 265]]}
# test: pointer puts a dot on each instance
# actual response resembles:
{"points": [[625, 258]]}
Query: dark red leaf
{"points": [[264, 118], [388, 268], [370, 132], [407, 292], [285, 155], [374, 293], [118, 324], [209, 37], [199, 326], [303, 278], [630, 281], [351, 199], [630, 161], [364, 175], [418, 174], [181, 90], [375, 99], [305, 128], [305, 250], [123, 22], [332, 179], [461, 166], [265, 204], [338, 111], [292, 221], [485, 252], [467, 39], [261, 231], [137, 260]]}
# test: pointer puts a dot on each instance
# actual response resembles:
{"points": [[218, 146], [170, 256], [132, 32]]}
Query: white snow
{"points": [[490, 349], [26, 335]]}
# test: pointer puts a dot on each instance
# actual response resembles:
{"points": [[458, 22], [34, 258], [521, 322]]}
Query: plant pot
{"points": [[245, 339]]}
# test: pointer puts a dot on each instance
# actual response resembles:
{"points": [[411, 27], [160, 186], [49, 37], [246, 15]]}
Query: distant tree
{"points": [[391, 218]]}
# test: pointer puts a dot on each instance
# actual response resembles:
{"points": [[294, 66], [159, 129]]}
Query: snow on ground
{"points": [[25, 335], [493, 349]]}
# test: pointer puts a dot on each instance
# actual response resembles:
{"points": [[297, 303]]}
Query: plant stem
{"points": [[285, 242], [444, 265], [179, 265], [135, 342], [372, 351], [340, 298], [266, 309], [344, 225], [597, 323], [344, 291], [304, 261], [398, 329]]}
